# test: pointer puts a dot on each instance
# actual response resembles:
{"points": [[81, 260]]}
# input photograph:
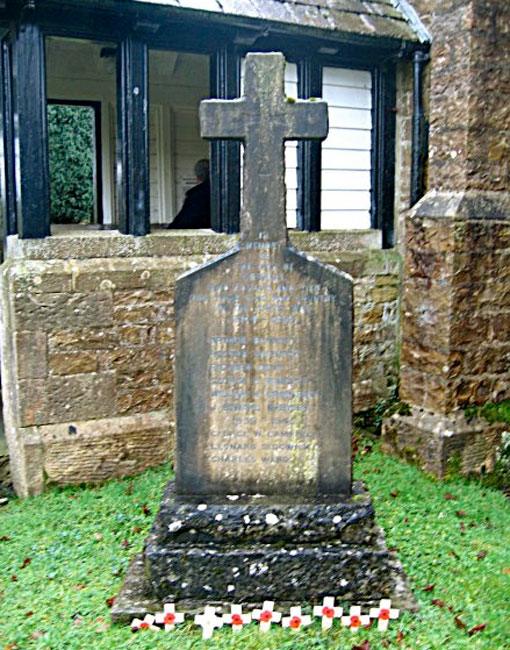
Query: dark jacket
{"points": [[196, 209]]}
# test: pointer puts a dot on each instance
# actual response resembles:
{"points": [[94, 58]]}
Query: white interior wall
{"points": [[177, 84]]}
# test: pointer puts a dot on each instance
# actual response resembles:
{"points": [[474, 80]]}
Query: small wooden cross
{"points": [[208, 621], [264, 119], [355, 619], [296, 620], [169, 617], [236, 618], [266, 616], [383, 613], [147, 623], [327, 611]]}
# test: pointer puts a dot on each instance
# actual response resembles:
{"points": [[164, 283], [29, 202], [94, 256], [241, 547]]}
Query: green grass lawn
{"points": [[63, 555]]}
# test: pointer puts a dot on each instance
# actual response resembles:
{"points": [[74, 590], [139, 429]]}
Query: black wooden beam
{"points": [[225, 155], [383, 152], [420, 129], [309, 154], [133, 193], [8, 177], [33, 190]]}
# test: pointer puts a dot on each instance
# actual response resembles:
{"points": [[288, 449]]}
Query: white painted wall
{"points": [[346, 153]]}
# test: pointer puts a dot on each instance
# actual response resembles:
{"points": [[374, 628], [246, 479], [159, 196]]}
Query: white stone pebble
{"points": [[175, 526], [202, 506], [337, 519], [246, 519], [271, 519], [218, 517]]}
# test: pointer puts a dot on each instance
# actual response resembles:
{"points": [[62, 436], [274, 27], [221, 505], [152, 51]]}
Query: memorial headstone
{"points": [[261, 508]]}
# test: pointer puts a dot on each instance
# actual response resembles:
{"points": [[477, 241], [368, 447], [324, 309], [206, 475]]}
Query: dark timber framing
{"points": [[225, 154], [383, 151], [8, 177], [133, 138], [33, 187], [309, 154], [136, 26]]}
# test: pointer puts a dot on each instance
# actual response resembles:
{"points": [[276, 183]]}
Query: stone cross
{"points": [[264, 119]]}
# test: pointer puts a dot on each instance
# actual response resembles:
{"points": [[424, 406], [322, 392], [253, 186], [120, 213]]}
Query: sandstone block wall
{"points": [[88, 344], [456, 306]]}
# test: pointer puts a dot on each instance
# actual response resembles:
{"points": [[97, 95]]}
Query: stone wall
{"points": [[87, 345]]}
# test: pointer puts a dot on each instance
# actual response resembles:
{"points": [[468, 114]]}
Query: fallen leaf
{"points": [[438, 602], [145, 510], [78, 587], [14, 578], [462, 527], [26, 562], [460, 623], [385, 643], [477, 628], [506, 571], [109, 601], [136, 529], [394, 494], [429, 588], [364, 646], [453, 554], [37, 634], [98, 536], [367, 449], [4, 538], [28, 614], [394, 549], [450, 497], [406, 520], [400, 637], [481, 555], [125, 543], [11, 646], [460, 513]]}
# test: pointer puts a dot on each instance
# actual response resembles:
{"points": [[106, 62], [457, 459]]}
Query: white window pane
{"points": [[348, 139], [348, 219], [345, 200], [338, 159], [331, 179], [347, 77], [346, 153]]}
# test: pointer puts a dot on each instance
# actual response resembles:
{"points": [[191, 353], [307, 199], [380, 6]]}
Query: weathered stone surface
{"points": [[435, 441], [32, 349]]}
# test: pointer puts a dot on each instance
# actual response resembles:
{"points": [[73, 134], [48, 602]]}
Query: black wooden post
{"points": [[309, 155], [133, 195], [383, 152], [33, 190], [419, 150], [8, 177], [225, 155]]}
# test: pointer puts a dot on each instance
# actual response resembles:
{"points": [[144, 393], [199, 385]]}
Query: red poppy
{"points": [[266, 616], [144, 626], [355, 621], [236, 619], [295, 622], [169, 619], [328, 612], [384, 614]]}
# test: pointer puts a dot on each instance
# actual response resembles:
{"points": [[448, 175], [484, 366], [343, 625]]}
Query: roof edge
{"points": [[414, 20]]}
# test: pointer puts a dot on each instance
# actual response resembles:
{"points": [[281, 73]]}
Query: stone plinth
{"points": [[248, 549]]}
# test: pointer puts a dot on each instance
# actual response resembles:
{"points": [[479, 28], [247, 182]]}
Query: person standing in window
{"points": [[196, 209]]}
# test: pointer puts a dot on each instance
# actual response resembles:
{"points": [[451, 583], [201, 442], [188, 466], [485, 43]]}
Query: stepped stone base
{"points": [[440, 444], [247, 549]]}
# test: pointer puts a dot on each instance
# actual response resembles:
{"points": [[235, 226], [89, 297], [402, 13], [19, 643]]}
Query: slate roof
{"points": [[386, 18]]}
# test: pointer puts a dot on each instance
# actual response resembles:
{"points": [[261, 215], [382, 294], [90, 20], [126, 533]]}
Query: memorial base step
{"points": [[247, 549]]}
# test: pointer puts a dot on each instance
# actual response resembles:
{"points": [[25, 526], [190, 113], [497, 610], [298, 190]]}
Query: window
{"points": [[346, 153]]}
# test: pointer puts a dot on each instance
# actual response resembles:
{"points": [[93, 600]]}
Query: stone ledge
{"points": [[470, 204], [432, 440], [91, 244]]}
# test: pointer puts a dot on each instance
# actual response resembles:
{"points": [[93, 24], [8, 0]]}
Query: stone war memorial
{"points": [[263, 504]]}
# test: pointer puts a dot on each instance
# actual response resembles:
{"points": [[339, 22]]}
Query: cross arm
{"points": [[306, 120], [222, 119]]}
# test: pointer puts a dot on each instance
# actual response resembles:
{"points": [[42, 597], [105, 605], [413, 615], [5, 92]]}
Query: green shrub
{"points": [[71, 147]]}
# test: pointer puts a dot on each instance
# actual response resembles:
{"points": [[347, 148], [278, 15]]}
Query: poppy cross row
{"points": [[327, 612]]}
